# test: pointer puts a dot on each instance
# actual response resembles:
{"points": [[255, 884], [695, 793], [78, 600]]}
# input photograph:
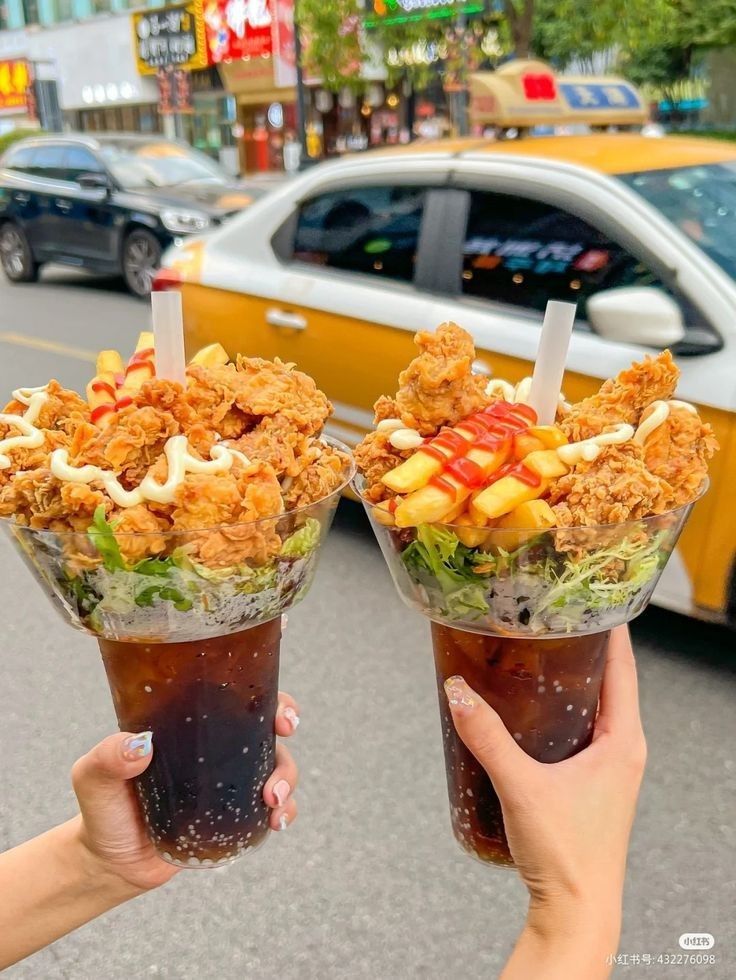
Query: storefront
{"points": [[255, 56], [17, 99]]}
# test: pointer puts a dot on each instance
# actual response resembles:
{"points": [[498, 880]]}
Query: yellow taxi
{"points": [[338, 269]]}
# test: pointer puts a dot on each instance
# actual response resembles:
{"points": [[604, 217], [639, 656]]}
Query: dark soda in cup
{"points": [[211, 705], [546, 692]]}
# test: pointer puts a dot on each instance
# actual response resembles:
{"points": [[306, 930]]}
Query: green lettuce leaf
{"points": [[101, 534], [303, 541]]}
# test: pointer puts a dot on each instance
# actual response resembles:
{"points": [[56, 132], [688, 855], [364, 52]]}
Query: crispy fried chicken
{"points": [[677, 452]]}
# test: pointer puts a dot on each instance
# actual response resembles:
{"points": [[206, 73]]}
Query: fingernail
{"points": [[292, 717], [283, 822], [281, 791], [138, 746], [458, 694], [284, 622]]}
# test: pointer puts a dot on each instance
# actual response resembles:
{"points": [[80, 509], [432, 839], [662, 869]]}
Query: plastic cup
{"points": [[524, 616], [191, 652]]}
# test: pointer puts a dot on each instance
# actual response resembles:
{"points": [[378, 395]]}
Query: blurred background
{"points": [[527, 149]]}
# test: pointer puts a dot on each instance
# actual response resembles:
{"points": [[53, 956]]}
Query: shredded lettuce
{"points": [[101, 534], [303, 541]]}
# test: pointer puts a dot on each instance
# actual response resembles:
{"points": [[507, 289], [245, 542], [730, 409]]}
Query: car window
{"points": [[48, 161], [18, 158], [373, 230], [525, 252], [79, 160]]}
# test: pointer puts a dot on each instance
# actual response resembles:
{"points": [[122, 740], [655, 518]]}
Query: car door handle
{"points": [[22, 198], [283, 318], [63, 205]]}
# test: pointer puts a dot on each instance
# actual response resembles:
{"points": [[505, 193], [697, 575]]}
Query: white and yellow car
{"points": [[339, 268]]}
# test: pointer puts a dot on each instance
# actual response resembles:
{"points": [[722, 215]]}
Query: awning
{"points": [[523, 94]]}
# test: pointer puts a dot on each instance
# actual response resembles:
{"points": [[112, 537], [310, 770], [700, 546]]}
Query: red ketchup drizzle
{"points": [[466, 472], [519, 471], [103, 386], [444, 485], [392, 505], [142, 355], [97, 413], [123, 402]]}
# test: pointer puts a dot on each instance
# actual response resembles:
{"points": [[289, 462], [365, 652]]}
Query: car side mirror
{"points": [[94, 182], [636, 315]]}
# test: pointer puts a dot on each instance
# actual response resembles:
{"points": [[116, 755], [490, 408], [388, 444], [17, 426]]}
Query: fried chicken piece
{"points": [[130, 444], [216, 514], [61, 414], [385, 408], [438, 387], [275, 440], [677, 451], [319, 478], [170, 397], [374, 457], [138, 532], [623, 398], [37, 499], [211, 394], [615, 487]]}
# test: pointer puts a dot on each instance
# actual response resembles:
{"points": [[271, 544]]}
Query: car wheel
{"points": [[141, 259], [16, 257]]}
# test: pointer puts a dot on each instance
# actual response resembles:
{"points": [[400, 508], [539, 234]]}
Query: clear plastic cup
{"points": [[524, 616]]}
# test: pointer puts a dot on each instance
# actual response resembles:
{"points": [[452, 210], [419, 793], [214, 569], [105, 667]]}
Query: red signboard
{"points": [[539, 88], [238, 29], [284, 43], [15, 82]]}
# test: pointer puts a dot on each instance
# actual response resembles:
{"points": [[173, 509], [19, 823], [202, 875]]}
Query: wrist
{"points": [[96, 875]]}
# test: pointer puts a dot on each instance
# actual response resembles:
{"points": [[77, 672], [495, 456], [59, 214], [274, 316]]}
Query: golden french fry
{"points": [[507, 493], [214, 355], [471, 536], [550, 435], [382, 515], [101, 398], [145, 341], [109, 362], [525, 443], [430, 503], [523, 522], [413, 473], [546, 463]]}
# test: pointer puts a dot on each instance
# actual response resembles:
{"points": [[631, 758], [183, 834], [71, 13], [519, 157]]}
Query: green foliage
{"points": [[7, 139]]}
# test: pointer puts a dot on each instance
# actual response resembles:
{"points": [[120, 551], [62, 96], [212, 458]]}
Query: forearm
{"points": [[568, 946], [50, 886]]}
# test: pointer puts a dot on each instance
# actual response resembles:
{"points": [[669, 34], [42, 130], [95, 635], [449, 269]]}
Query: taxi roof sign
{"points": [[528, 93]]}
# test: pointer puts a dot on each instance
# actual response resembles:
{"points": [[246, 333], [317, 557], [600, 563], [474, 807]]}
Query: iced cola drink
{"points": [[546, 692], [211, 705]]}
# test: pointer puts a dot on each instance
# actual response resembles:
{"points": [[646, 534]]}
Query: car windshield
{"points": [[700, 201], [158, 164]]}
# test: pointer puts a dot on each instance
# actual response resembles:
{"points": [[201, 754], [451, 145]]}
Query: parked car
{"points": [[336, 271], [107, 203]]}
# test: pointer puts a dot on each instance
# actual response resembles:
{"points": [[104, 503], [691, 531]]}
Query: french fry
{"points": [[478, 518], [109, 362], [551, 436], [523, 522], [507, 493], [145, 341], [383, 515], [140, 368], [101, 398], [471, 536], [525, 443], [214, 355], [432, 502], [500, 419], [546, 464]]}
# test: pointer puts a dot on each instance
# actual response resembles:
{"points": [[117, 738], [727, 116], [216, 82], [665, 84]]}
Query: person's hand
{"points": [[568, 824], [110, 826]]}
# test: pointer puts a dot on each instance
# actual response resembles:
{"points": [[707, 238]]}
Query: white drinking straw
{"points": [[168, 336], [551, 357]]}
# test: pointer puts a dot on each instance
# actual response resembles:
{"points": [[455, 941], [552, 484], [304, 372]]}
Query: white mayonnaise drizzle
{"points": [[519, 394], [400, 436], [31, 437], [659, 413], [590, 449], [180, 462]]}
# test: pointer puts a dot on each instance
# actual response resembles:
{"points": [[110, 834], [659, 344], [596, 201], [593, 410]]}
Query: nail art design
{"points": [[281, 791], [283, 822], [292, 717], [457, 693], [138, 746]]}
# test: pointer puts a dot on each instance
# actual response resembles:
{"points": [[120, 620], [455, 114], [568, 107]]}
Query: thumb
{"points": [[100, 778], [484, 734]]}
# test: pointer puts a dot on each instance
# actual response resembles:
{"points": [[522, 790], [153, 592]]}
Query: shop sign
{"points": [[238, 29], [402, 11], [170, 36], [596, 95], [284, 44], [15, 86]]}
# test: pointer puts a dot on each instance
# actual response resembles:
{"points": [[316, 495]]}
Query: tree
{"points": [[519, 16]]}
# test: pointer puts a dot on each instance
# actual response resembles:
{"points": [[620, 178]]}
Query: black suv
{"points": [[108, 203]]}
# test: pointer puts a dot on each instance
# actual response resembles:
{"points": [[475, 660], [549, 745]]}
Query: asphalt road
{"points": [[368, 883]]}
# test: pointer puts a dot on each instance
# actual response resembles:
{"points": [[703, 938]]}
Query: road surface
{"points": [[368, 884]]}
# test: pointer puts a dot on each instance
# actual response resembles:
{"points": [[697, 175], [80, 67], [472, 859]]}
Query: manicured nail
{"points": [[281, 791], [458, 694], [292, 717], [137, 746], [283, 822], [284, 622]]}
